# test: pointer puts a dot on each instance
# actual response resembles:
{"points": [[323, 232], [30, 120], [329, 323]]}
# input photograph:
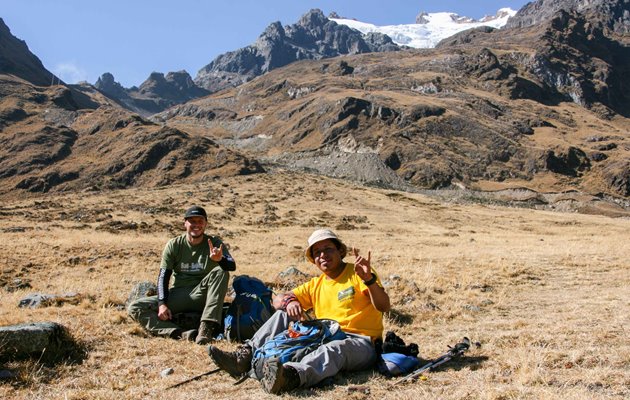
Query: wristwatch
{"points": [[371, 280]]}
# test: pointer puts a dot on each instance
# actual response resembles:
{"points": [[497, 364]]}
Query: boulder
{"points": [[48, 342], [37, 300], [290, 278], [141, 289]]}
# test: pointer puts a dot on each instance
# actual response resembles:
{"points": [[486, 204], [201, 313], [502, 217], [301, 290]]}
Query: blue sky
{"points": [[82, 39]]}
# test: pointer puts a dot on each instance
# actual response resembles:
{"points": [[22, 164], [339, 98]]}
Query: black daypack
{"points": [[250, 308]]}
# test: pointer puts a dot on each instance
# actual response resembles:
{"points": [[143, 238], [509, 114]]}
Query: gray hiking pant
{"points": [[207, 297], [354, 353]]}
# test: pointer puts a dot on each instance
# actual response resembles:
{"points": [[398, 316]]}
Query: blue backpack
{"points": [[250, 308], [301, 338], [394, 364]]}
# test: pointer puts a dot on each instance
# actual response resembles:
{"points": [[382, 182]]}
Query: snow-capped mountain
{"points": [[431, 28]]}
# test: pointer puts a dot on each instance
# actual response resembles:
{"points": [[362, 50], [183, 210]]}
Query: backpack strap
{"points": [[239, 313]]}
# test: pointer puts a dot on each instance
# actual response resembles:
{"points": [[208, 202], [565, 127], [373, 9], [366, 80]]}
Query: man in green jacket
{"points": [[199, 264]]}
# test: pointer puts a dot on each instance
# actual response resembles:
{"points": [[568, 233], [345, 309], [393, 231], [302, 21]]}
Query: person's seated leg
{"points": [[144, 311], [277, 323], [354, 353], [210, 294], [239, 362]]}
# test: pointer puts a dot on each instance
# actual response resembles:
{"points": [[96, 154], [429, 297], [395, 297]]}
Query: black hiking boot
{"points": [[175, 334], [277, 378], [189, 335], [236, 363], [206, 333]]}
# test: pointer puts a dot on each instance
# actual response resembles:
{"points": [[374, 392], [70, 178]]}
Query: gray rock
{"points": [[617, 175], [431, 306], [290, 278], [155, 94], [48, 342], [141, 289], [16, 284], [37, 300], [396, 282], [167, 372], [74, 260], [292, 271], [107, 84], [34, 300], [422, 18]]}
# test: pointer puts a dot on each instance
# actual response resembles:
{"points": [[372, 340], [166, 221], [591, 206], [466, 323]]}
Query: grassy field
{"points": [[546, 294]]}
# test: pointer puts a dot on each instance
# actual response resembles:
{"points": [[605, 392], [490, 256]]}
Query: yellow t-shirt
{"points": [[344, 299]]}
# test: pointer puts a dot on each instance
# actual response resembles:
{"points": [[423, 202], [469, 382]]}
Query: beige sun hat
{"points": [[318, 236]]}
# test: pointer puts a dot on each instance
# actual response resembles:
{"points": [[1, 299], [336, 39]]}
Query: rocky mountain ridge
{"points": [[155, 94], [313, 37], [573, 59]]}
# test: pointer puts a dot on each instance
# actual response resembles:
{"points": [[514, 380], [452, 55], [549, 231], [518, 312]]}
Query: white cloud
{"points": [[69, 72]]}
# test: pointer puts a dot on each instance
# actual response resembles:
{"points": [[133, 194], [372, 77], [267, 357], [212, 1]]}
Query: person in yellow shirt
{"points": [[349, 293]]}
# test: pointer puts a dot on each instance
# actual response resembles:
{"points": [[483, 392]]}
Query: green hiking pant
{"points": [[207, 297]]}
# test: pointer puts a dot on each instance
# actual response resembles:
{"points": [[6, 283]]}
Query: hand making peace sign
{"points": [[362, 265]]}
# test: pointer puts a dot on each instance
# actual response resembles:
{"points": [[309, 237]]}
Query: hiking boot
{"points": [[175, 334], [236, 363], [190, 335], [206, 332], [278, 378]]}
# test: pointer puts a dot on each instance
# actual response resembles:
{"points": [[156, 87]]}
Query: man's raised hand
{"points": [[216, 253], [362, 265]]}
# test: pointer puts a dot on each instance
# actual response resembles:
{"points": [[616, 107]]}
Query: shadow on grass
{"points": [[359, 381], [472, 362], [399, 318]]}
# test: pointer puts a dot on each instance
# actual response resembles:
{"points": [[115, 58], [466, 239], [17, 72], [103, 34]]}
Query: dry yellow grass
{"points": [[547, 294]]}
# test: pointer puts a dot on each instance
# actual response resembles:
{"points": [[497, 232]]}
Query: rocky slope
{"points": [[48, 142], [541, 107], [612, 15], [571, 57], [16, 59]]}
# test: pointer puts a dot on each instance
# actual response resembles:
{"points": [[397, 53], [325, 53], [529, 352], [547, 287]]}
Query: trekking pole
{"points": [[453, 352], [194, 378]]}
